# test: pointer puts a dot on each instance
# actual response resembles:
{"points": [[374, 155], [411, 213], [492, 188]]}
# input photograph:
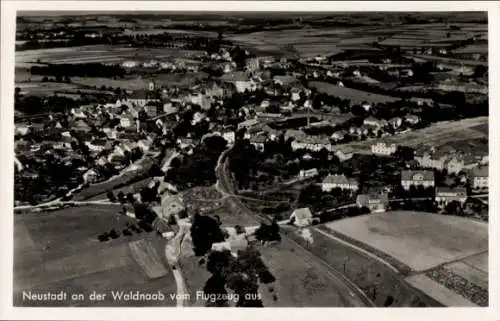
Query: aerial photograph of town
{"points": [[251, 159]]}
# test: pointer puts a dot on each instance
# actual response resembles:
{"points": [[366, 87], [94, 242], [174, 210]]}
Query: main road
{"points": [[356, 297]]}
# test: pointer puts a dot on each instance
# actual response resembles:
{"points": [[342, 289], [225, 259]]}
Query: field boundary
{"points": [[386, 259]]}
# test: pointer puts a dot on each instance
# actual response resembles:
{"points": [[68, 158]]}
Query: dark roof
{"points": [[450, 191], [339, 179], [481, 171], [365, 199]]}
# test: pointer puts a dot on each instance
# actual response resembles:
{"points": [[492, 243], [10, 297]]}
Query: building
{"points": [[126, 121], [82, 126], [424, 178], [90, 176], [140, 98], [145, 144], [248, 124], [230, 137], [479, 178], [412, 119], [372, 121], [22, 130], [445, 195], [252, 64], [375, 202], [258, 142], [339, 181], [234, 244], [454, 165], [427, 159], [343, 156], [339, 135], [241, 81], [295, 94], [383, 149], [308, 173], [301, 217], [301, 140], [396, 122], [151, 109], [200, 100]]}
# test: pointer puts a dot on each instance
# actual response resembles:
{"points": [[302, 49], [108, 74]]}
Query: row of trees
{"points": [[79, 70]]}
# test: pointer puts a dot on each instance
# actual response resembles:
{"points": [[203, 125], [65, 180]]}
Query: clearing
{"points": [[419, 240], [60, 251], [437, 134], [355, 95]]}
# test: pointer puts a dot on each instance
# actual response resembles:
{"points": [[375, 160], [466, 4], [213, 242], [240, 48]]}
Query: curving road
{"points": [[172, 254], [356, 297]]}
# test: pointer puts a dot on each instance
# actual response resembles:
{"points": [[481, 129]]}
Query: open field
{"points": [[375, 279], [471, 49], [49, 88], [479, 261], [96, 54], [148, 259], [304, 283], [59, 251], [450, 61], [354, 95], [437, 134], [419, 240]]}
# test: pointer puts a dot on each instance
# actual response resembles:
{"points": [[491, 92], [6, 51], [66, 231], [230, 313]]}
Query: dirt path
{"points": [[172, 254]]}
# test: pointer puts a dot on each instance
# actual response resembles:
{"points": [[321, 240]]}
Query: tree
{"points": [[453, 208], [480, 71], [121, 197], [111, 196], [204, 232], [215, 288]]}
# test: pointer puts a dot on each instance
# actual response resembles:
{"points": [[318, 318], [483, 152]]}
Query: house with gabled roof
{"points": [[424, 178], [339, 181], [301, 217], [478, 177], [445, 195], [375, 202]]}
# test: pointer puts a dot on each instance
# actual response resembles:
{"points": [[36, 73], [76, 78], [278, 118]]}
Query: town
{"points": [[221, 156]]}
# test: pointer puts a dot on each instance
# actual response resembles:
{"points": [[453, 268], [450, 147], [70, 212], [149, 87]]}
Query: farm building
{"points": [[376, 202]]}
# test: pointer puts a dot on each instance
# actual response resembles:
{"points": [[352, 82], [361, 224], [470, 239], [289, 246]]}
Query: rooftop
{"points": [[339, 179], [422, 175]]}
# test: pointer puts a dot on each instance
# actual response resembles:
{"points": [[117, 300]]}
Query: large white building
{"points": [[383, 149], [479, 178], [339, 181], [424, 178]]}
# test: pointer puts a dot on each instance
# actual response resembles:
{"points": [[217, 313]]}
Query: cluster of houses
{"points": [[378, 201], [447, 158]]}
